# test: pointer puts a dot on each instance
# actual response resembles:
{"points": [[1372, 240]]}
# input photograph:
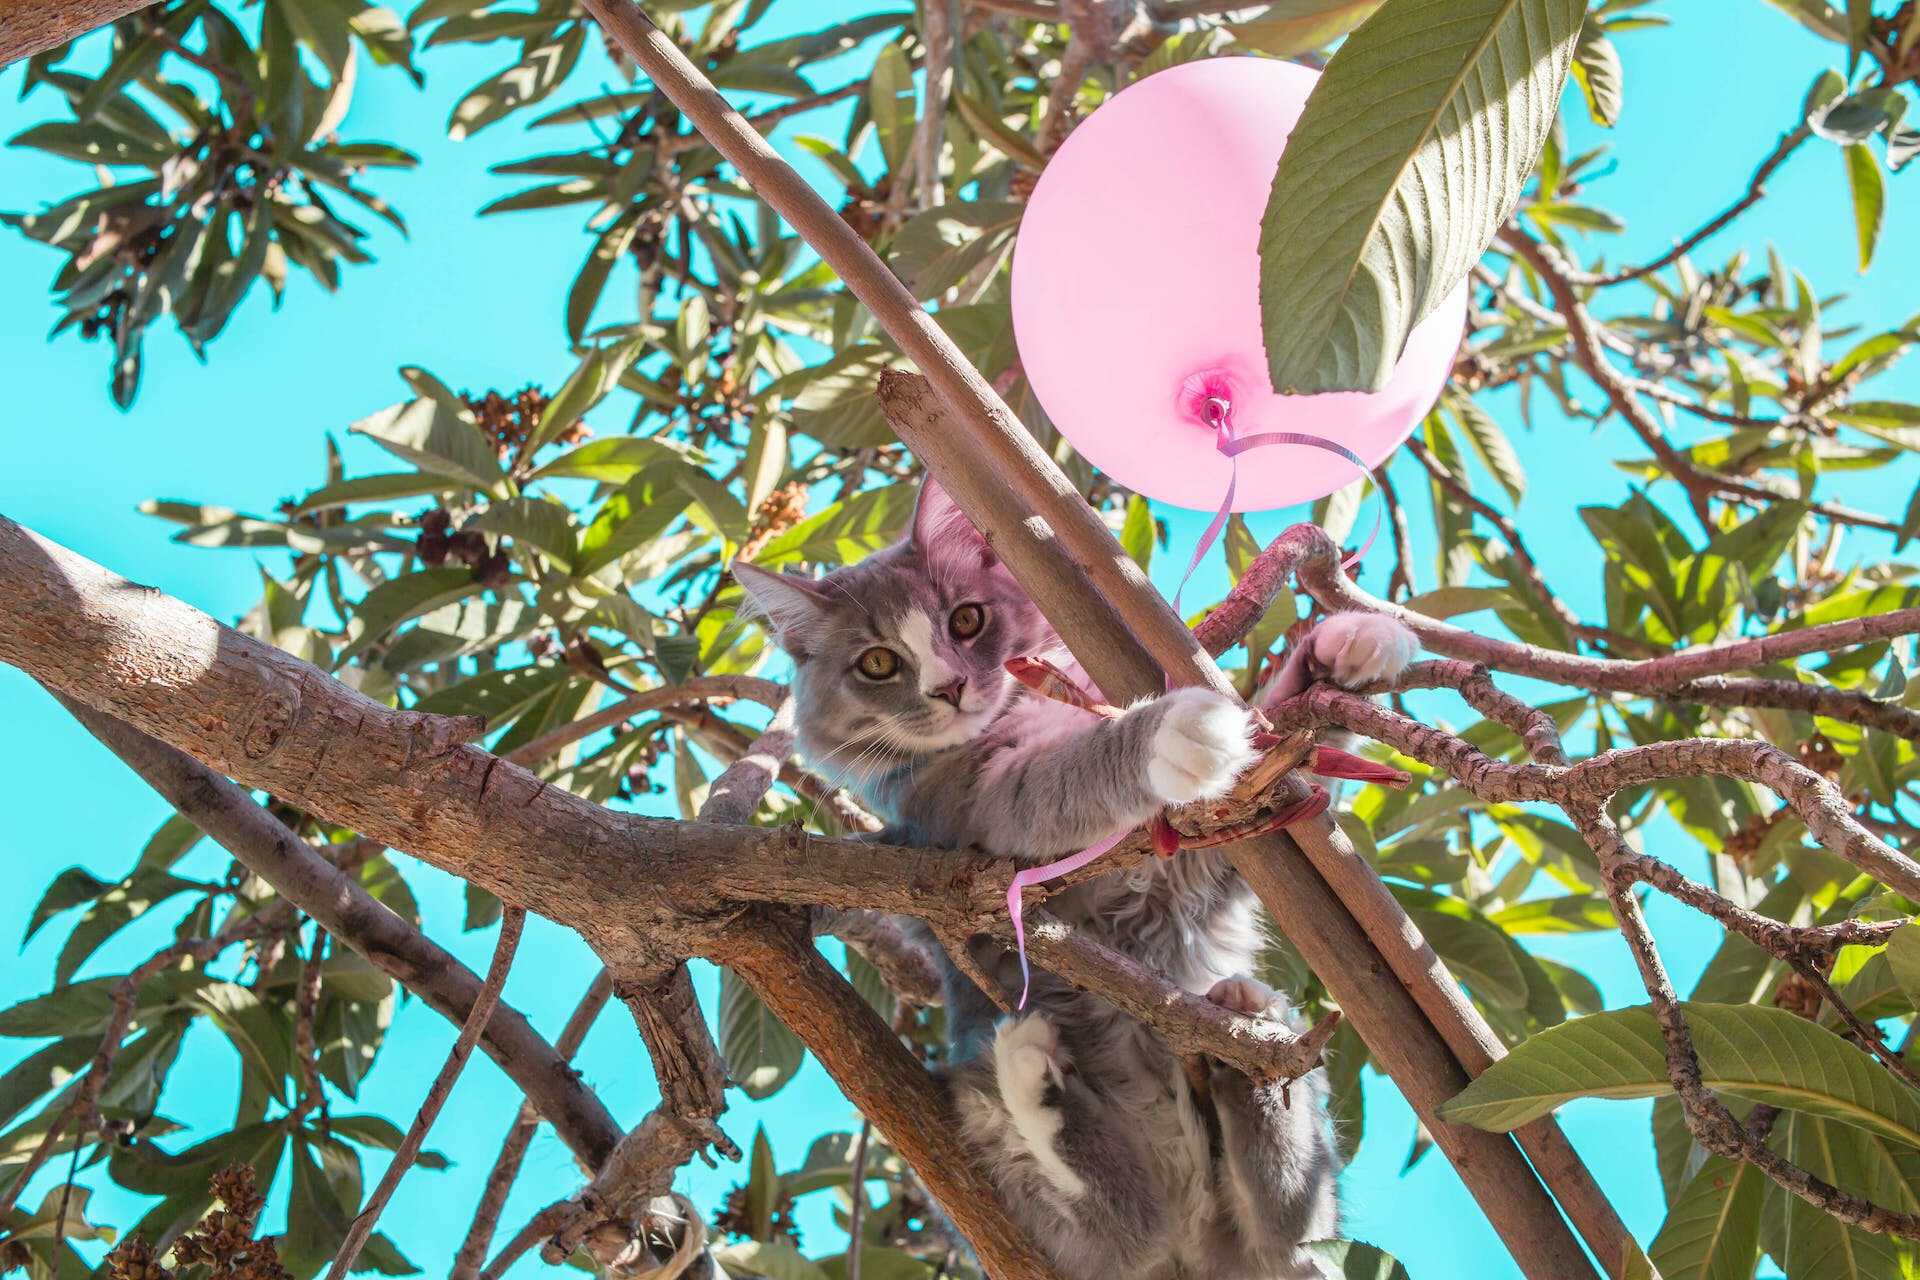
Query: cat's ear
{"points": [[792, 605], [943, 534]]}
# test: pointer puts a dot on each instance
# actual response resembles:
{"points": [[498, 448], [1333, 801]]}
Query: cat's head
{"points": [[902, 650]]}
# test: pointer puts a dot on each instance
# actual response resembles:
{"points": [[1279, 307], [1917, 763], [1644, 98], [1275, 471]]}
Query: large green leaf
{"points": [[1752, 1051], [1409, 156], [1811, 1244], [761, 1053], [530, 520], [1713, 1230], [431, 437]]}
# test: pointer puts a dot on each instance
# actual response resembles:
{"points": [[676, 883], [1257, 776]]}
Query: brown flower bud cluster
{"points": [[509, 420], [221, 1242], [437, 542], [778, 512]]}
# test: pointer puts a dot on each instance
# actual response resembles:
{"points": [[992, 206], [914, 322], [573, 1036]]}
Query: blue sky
{"points": [[478, 301]]}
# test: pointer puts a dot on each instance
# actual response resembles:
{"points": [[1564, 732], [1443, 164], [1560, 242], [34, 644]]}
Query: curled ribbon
{"points": [[1216, 412]]}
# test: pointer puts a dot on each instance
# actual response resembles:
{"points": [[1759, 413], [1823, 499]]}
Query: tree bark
{"points": [[28, 27], [262, 844]]}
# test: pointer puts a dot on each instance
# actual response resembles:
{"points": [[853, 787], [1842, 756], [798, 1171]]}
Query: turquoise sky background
{"points": [[478, 301]]}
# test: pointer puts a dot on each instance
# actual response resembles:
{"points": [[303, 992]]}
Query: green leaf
{"points": [[169, 843], [533, 521], [939, 247], [615, 460], [592, 279], [760, 1052], [1596, 65], [535, 76], [40, 1072], [376, 488], [1351, 1260], [1137, 533], [398, 599], [597, 374], [1810, 1243], [1869, 199], [69, 889], [1411, 153], [833, 401], [91, 144], [630, 518], [776, 1260], [1477, 952], [1903, 955], [1768, 1055], [1451, 602], [1712, 1232], [1290, 28], [1491, 445], [431, 437], [846, 531], [890, 101]]}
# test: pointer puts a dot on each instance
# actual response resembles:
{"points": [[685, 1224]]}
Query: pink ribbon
{"points": [[1217, 411]]}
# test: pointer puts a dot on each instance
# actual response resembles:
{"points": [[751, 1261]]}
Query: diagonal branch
{"points": [[338, 904]]}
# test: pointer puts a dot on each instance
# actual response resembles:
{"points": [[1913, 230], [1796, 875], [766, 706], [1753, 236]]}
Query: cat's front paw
{"points": [[1359, 649], [1244, 993], [1200, 746]]}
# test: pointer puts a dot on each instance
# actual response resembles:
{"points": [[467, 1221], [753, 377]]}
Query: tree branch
{"points": [[472, 1253], [512, 921], [1756, 190], [28, 27], [350, 914], [1688, 675]]}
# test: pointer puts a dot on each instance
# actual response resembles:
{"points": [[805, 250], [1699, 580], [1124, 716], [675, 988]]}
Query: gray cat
{"points": [[1084, 1118]]}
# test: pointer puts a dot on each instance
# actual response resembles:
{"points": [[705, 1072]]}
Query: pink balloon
{"points": [[1136, 295]]}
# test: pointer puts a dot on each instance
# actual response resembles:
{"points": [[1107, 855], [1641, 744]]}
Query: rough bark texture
{"points": [[262, 844], [28, 27]]}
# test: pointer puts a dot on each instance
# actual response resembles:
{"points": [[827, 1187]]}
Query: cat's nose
{"points": [[950, 692]]}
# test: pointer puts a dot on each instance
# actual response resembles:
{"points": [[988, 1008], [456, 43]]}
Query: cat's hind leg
{"points": [[1351, 649], [1278, 1165], [1061, 1158]]}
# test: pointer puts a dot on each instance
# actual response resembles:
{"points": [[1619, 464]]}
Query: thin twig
{"points": [[472, 1253], [1756, 190], [1863, 1031], [512, 921], [857, 1214]]}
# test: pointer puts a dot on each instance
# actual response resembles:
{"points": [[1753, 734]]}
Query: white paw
{"points": [[1362, 648], [1244, 993], [1203, 742]]}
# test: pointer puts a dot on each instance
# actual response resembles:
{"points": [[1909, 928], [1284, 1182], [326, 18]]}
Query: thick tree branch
{"points": [[338, 904], [28, 27], [877, 1073]]}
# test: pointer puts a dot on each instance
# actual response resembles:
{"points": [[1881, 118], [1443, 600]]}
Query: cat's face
{"points": [[901, 653]]}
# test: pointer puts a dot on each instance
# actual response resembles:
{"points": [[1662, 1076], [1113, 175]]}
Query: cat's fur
{"points": [[1084, 1118]]}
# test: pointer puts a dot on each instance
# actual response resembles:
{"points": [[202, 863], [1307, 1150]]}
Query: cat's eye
{"points": [[878, 663], [966, 621]]}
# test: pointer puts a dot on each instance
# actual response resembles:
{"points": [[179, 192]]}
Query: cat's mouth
{"points": [[941, 726]]}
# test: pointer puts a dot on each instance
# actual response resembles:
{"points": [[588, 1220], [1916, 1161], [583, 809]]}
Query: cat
{"points": [[1083, 1117]]}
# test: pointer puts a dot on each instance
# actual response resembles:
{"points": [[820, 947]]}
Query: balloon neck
{"points": [[1207, 399]]}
